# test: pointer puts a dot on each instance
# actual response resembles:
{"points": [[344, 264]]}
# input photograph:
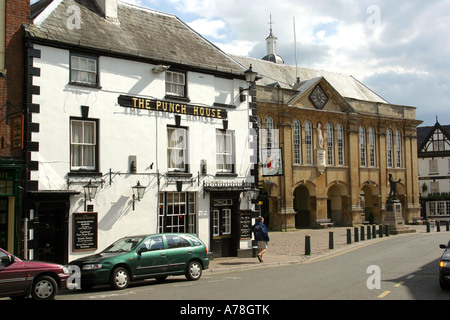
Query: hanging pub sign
{"points": [[272, 162], [17, 132], [171, 107], [85, 231]]}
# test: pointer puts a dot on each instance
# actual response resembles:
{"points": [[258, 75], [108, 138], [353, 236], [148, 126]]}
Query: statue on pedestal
{"points": [[393, 187]]}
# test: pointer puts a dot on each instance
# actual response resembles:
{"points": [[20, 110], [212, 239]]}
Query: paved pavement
{"points": [[289, 247]]}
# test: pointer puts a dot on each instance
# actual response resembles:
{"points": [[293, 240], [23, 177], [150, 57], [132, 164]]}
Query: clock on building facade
{"points": [[318, 97]]}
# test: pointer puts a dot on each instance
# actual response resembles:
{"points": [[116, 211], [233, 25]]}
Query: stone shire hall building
{"points": [[133, 123]]}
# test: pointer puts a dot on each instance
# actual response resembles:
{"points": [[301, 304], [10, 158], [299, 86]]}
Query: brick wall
{"points": [[11, 85]]}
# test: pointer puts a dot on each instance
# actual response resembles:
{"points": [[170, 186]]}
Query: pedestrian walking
{"points": [[262, 237]]}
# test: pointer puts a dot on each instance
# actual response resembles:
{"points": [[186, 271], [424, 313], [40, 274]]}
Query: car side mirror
{"points": [[442, 246], [7, 260], [142, 249]]}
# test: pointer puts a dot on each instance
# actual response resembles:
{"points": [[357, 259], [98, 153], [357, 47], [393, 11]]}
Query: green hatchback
{"points": [[141, 257]]}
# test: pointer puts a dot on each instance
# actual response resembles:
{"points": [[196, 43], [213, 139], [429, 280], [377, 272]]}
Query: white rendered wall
{"points": [[126, 131]]}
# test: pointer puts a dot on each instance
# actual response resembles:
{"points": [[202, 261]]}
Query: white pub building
{"points": [[135, 125]]}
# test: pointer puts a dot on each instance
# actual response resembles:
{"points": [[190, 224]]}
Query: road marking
{"points": [[384, 294], [398, 284]]}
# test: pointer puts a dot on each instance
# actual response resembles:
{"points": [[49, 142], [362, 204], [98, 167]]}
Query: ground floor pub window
{"points": [[177, 212]]}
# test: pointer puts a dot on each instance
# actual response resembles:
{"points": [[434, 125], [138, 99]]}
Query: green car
{"points": [[141, 257]]}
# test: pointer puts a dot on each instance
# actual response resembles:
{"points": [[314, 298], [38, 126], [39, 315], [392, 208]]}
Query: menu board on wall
{"points": [[246, 226], [85, 235]]}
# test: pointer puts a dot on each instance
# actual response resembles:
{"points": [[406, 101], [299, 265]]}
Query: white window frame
{"points": [[363, 146], [309, 143], [83, 145], [389, 142], [177, 149], [225, 151], [226, 221], [83, 70], [341, 144], [372, 147], [176, 84], [330, 144], [297, 139], [398, 148]]}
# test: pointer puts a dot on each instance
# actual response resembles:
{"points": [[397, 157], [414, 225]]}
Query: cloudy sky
{"points": [[399, 49]]}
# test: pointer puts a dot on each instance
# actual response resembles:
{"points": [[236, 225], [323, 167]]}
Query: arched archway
{"points": [[336, 204], [369, 198], [302, 207]]}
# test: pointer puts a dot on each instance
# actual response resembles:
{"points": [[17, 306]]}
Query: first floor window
{"points": [[83, 146], [176, 150], [362, 146], [389, 143], [308, 142], [224, 151], [177, 212], [340, 142], [398, 148], [330, 144], [297, 142], [372, 150]]}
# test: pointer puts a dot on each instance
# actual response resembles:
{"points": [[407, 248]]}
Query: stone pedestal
{"points": [[394, 218]]}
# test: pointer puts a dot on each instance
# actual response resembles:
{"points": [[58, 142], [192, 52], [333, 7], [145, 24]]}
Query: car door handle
{"points": [[189, 251], [163, 254]]}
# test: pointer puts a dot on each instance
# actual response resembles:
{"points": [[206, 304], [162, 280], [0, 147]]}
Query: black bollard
{"points": [[356, 235], [374, 231], [380, 230], [438, 226], [307, 245], [386, 228], [428, 227], [368, 233], [349, 236], [331, 241], [362, 233], [447, 225]]}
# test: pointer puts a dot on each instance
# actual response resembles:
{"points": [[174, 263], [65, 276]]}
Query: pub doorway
{"points": [[224, 221], [50, 226], [49, 233]]}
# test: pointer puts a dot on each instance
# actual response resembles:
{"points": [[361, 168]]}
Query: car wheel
{"points": [[444, 285], [120, 278], [194, 270], [44, 288]]}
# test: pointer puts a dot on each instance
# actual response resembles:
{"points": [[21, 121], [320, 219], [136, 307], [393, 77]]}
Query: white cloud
{"points": [[210, 28]]}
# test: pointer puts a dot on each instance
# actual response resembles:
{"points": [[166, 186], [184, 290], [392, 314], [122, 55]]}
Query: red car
{"points": [[19, 278]]}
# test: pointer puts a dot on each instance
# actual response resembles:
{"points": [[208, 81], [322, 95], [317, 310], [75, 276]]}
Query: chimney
{"points": [[109, 8]]}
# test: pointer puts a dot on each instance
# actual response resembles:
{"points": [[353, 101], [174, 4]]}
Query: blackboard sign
{"points": [[246, 226], [84, 231]]}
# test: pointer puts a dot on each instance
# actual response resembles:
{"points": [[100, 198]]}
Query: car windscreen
{"points": [[124, 245], [446, 255]]}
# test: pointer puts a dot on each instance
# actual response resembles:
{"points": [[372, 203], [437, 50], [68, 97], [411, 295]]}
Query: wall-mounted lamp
{"points": [[252, 194], [160, 68], [138, 192], [251, 77], [90, 190]]}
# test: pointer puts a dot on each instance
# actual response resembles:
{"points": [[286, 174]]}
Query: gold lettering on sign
{"points": [[172, 107]]}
